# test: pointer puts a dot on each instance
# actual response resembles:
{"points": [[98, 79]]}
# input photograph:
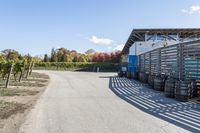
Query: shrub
{"points": [[79, 66]]}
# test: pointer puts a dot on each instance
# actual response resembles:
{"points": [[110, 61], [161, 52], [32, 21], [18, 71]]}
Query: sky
{"points": [[37, 26]]}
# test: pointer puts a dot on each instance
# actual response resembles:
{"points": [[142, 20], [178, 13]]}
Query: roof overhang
{"points": [[139, 35]]}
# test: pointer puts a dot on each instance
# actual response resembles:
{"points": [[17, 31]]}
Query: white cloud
{"points": [[184, 11], [101, 41], [193, 9], [119, 47], [58, 47]]}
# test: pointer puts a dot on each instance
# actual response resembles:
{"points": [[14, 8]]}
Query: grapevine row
{"points": [[18, 69]]}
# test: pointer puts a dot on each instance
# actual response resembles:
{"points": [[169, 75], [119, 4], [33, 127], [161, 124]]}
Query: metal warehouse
{"points": [[166, 59]]}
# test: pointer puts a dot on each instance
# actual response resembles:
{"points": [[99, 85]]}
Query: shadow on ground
{"points": [[185, 115]]}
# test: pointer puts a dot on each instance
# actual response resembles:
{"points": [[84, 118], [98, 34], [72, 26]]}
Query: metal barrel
{"points": [[143, 77], [159, 84], [182, 90], [170, 88], [151, 80]]}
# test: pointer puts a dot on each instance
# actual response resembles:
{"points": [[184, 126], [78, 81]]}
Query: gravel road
{"points": [[80, 102]]}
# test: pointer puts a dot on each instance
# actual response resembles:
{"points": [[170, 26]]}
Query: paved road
{"points": [[78, 102]]}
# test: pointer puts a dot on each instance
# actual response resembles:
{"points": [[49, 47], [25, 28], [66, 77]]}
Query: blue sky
{"points": [[36, 26]]}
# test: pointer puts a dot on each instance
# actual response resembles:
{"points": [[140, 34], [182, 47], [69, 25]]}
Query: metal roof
{"points": [[139, 34]]}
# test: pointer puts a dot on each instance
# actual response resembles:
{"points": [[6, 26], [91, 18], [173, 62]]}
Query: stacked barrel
{"points": [[170, 87], [151, 80], [159, 83], [173, 88], [182, 90]]}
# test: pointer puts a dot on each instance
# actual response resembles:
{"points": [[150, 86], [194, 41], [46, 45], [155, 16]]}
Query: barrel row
{"points": [[173, 88]]}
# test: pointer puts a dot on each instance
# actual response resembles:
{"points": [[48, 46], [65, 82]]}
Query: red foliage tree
{"points": [[113, 57]]}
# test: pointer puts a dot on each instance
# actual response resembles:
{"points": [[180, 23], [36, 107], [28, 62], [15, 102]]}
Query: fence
{"points": [[181, 61]]}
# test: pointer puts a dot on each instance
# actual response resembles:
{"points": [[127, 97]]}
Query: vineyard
{"points": [[19, 88], [77, 66], [15, 70]]}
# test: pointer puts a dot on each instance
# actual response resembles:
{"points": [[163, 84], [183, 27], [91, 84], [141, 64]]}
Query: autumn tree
{"points": [[107, 57], [64, 55], [2, 59], [11, 55], [53, 56], [46, 58], [90, 51]]}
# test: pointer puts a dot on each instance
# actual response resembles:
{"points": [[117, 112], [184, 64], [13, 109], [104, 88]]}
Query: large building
{"points": [[144, 40], [153, 38]]}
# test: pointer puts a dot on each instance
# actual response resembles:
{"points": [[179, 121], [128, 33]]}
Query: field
{"points": [[18, 98]]}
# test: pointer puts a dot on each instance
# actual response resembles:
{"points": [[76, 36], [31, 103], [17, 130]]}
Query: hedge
{"points": [[77, 66]]}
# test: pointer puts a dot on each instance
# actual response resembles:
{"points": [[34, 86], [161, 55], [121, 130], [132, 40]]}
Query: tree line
{"points": [[11, 55], [58, 59], [65, 55]]}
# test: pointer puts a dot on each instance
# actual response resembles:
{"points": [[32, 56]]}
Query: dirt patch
{"points": [[17, 100], [29, 83], [39, 75], [17, 92], [9, 108]]}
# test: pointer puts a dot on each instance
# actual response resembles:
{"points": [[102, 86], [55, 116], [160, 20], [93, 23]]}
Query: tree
{"points": [[101, 57], [38, 58], [2, 59], [107, 57], [74, 56], [95, 57], [11, 55], [82, 58], [46, 58], [115, 56], [62, 55], [90, 51], [28, 58], [75, 59], [53, 56]]}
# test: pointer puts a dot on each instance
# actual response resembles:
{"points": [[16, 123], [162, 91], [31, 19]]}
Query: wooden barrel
{"points": [[193, 89], [134, 75], [170, 88], [159, 84], [151, 80], [196, 89], [128, 75], [182, 90], [120, 74], [143, 77]]}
